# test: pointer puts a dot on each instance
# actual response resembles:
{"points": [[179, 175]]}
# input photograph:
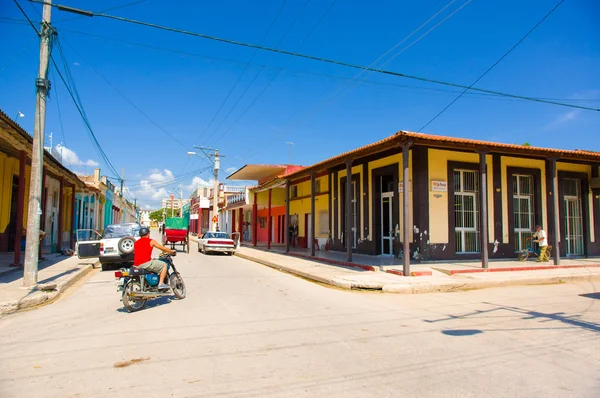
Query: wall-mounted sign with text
{"points": [[439, 186]]}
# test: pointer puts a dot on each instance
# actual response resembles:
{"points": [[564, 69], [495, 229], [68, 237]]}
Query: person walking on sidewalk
{"points": [[542, 240]]}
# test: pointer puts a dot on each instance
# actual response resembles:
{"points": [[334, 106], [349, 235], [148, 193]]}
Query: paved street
{"points": [[246, 330]]}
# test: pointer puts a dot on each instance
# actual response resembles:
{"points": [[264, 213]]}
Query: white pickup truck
{"points": [[114, 246]]}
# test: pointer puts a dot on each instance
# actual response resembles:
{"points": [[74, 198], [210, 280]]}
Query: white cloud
{"points": [[230, 170], [76, 64], [574, 114], [152, 189], [69, 158]]}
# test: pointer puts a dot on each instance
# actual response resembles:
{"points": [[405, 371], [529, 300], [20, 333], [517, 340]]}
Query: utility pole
{"points": [[180, 202], [216, 191], [290, 144], [30, 271], [217, 165], [172, 199], [122, 179]]}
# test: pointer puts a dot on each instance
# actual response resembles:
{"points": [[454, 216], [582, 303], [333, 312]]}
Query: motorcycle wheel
{"points": [[177, 285], [133, 304]]}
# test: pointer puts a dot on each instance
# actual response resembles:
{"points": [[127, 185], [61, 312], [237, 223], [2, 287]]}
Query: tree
{"points": [[158, 214], [527, 144]]}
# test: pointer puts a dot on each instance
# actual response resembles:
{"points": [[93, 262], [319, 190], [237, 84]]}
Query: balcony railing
{"points": [[234, 199]]}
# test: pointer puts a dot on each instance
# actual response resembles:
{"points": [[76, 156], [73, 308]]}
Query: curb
{"points": [[306, 275], [412, 273], [35, 300], [421, 286], [516, 269], [453, 286]]}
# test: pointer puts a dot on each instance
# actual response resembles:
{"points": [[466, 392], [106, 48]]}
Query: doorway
{"points": [[573, 218], [387, 224]]}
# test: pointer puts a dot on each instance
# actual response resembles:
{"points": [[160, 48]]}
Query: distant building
{"points": [[176, 204], [145, 217]]}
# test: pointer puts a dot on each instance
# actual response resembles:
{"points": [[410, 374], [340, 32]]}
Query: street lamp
{"points": [[216, 163]]}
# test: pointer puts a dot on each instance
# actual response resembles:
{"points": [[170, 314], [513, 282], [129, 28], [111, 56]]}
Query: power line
{"points": [[125, 97], [17, 54], [242, 74], [306, 56], [259, 72], [369, 73], [77, 101], [332, 97], [492, 67], [105, 10], [300, 72], [277, 73]]}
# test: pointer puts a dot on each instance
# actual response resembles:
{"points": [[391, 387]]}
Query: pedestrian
{"points": [[542, 240]]}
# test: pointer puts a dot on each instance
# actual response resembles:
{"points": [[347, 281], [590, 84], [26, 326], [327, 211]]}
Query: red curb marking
{"points": [[334, 262], [531, 268], [413, 273]]}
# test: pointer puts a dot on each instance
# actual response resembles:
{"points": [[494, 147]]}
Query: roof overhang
{"points": [[257, 172]]}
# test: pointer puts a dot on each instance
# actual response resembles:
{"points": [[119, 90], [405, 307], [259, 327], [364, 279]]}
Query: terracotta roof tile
{"points": [[438, 140]]}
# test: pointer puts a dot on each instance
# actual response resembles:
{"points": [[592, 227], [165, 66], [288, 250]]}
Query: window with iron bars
{"points": [[523, 209], [466, 211]]}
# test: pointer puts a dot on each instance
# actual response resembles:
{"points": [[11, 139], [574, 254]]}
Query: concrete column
{"points": [[20, 209], [72, 238], [233, 221], [405, 210], [61, 200], [348, 230], [241, 223], [269, 224], [483, 211], [312, 214], [255, 220], [555, 220], [286, 222]]}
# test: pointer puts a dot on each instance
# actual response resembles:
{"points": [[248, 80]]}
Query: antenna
{"points": [[290, 144]]}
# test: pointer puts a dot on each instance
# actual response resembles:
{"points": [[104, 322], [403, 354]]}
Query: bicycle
{"points": [[530, 250]]}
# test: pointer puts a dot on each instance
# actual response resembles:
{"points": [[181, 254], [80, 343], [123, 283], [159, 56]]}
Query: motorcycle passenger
{"points": [[142, 256]]}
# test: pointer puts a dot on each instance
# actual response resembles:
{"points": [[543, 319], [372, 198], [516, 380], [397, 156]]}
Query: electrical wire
{"points": [[243, 72], [306, 56], [306, 73], [105, 10], [17, 54], [60, 119], [277, 73], [336, 97], [125, 97], [340, 92], [492, 66], [257, 74]]}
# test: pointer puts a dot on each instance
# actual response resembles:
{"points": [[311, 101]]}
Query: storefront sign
{"points": [[193, 216], [439, 186]]}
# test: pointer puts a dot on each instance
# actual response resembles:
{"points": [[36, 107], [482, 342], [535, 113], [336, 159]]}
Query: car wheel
{"points": [[126, 245]]}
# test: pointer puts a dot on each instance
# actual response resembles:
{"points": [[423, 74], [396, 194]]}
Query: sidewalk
{"points": [[436, 277], [56, 273]]}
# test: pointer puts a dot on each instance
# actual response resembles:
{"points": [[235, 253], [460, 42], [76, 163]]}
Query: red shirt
{"points": [[142, 251]]}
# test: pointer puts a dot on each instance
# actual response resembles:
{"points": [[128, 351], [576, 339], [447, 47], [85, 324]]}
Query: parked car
{"points": [[216, 242], [114, 246]]}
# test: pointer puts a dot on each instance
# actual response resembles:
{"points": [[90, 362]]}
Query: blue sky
{"points": [[182, 92]]}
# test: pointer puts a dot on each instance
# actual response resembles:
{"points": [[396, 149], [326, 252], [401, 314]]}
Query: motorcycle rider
{"points": [[142, 256]]}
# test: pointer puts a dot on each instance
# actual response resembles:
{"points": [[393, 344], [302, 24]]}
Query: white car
{"points": [[114, 246], [216, 242]]}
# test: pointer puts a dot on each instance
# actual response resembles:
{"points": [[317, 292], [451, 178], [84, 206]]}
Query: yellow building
{"points": [[59, 186], [465, 199]]}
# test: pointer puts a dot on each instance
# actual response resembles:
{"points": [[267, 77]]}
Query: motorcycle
{"points": [[139, 286]]}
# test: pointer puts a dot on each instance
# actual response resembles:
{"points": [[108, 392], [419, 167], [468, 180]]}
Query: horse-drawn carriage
{"points": [[175, 231]]}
